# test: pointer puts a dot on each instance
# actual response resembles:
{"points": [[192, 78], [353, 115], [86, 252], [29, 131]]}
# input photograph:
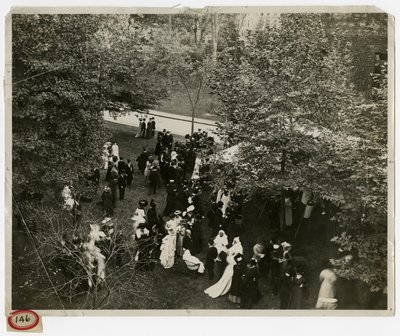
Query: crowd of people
{"points": [[147, 129], [177, 232]]}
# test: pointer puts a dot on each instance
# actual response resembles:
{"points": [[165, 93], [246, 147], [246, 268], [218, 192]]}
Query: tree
{"points": [[191, 73], [66, 70], [289, 102], [68, 271], [282, 94], [132, 61], [365, 209], [188, 66]]}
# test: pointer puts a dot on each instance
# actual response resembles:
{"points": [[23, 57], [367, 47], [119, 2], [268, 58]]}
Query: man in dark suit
{"points": [[218, 223], [187, 241], [122, 182], [143, 128], [168, 140], [164, 139], [153, 127], [212, 254], [250, 293], [122, 166]]}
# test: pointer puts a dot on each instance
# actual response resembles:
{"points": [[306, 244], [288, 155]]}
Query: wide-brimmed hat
{"points": [[190, 208], [143, 203], [177, 212]]}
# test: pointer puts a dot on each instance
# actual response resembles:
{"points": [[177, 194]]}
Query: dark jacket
{"points": [[212, 253], [188, 244]]}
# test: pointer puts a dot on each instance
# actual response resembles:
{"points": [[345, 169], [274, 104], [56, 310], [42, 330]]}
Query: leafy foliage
{"points": [[133, 64], [66, 70], [282, 92], [287, 99], [367, 253], [57, 125]]}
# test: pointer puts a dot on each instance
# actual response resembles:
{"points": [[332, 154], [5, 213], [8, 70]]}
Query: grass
{"points": [[179, 103], [177, 288]]}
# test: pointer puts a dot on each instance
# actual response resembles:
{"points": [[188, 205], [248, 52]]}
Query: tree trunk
{"points": [[192, 128], [215, 36], [282, 216], [196, 26]]}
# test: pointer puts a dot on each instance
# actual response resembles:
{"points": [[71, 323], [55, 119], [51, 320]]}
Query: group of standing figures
{"points": [[146, 129], [178, 233]]}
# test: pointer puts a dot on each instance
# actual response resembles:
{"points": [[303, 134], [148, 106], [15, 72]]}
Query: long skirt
{"points": [[223, 285], [288, 216], [308, 210], [179, 245]]}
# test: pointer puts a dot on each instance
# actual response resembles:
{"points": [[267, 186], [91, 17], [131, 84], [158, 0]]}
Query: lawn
{"points": [[179, 103], [178, 288]]}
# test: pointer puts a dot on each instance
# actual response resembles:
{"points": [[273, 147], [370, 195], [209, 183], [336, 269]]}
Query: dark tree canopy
{"points": [[66, 70], [287, 98]]}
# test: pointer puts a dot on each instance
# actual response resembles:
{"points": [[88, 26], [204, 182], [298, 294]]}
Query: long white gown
{"points": [[105, 157], [236, 248], [196, 169], [224, 284], [220, 243], [167, 256], [192, 260], [115, 150]]}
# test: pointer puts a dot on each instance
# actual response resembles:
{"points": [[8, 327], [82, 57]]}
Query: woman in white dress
{"points": [[288, 212], [224, 284], [95, 233], [147, 170], [221, 241], [224, 196], [137, 220], [105, 157], [139, 132], [115, 150], [168, 246], [236, 247], [327, 292], [191, 260], [196, 169], [93, 257]]}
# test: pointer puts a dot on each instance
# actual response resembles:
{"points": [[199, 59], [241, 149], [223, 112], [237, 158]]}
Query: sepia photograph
{"points": [[223, 159]]}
